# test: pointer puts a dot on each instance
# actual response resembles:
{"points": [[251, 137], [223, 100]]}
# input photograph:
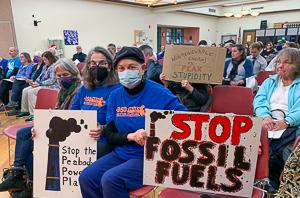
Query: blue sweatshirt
{"points": [[128, 112], [94, 99], [25, 71]]}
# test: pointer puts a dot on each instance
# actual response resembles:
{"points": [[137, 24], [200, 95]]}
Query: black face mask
{"points": [[99, 73]]}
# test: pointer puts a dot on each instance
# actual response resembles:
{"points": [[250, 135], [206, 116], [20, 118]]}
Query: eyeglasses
{"points": [[99, 64]]}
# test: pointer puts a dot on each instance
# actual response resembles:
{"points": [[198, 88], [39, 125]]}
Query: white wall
{"points": [[97, 23], [231, 25]]}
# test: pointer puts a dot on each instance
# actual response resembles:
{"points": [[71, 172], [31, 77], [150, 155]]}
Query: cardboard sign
{"points": [[208, 153], [195, 64], [62, 149]]}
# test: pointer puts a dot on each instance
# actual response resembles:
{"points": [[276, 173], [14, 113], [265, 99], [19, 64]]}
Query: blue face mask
{"points": [[130, 78]]}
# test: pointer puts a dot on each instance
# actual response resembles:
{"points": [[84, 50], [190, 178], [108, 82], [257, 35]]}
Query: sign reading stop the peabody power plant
{"points": [[195, 64], [210, 153], [62, 149]]}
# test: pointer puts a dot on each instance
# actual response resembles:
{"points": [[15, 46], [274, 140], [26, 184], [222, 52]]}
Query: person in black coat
{"points": [[80, 56]]}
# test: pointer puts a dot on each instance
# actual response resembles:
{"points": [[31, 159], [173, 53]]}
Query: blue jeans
{"points": [[111, 177], [23, 150]]}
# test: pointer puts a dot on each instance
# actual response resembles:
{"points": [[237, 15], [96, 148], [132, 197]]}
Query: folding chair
{"points": [[263, 75], [232, 99], [142, 191], [46, 99]]}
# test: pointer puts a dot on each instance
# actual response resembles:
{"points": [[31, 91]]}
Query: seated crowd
{"points": [[130, 76]]}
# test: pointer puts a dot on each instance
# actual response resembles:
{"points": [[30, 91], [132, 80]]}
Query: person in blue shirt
{"points": [[100, 79], [11, 70], [19, 83], [3, 66], [122, 169]]}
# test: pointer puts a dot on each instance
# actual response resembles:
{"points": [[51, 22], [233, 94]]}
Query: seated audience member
{"points": [[213, 45], [100, 79], [272, 65], [194, 96], [202, 43], [69, 80], [278, 103], [112, 49], [3, 66], [228, 47], [79, 56], [11, 70], [268, 52], [161, 54], [259, 63], [114, 174], [153, 68], [238, 68], [290, 184], [19, 83], [119, 48], [46, 79]]}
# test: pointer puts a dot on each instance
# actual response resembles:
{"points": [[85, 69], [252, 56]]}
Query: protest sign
{"points": [[208, 153], [62, 149], [195, 64]]}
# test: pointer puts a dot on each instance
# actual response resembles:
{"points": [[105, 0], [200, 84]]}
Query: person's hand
{"points": [[139, 136], [28, 80], [12, 78], [35, 84], [279, 125], [268, 123], [162, 78], [33, 133], [96, 133], [1, 67], [233, 83], [185, 84]]}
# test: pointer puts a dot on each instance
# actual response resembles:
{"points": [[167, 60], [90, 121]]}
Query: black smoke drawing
{"points": [[59, 130], [154, 117]]}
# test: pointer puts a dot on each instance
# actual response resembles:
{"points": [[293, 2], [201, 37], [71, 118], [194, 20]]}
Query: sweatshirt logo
{"points": [[131, 111], [94, 101]]}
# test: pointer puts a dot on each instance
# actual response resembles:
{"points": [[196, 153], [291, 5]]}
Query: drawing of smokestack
{"points": [[154, 117], [59, 130]]}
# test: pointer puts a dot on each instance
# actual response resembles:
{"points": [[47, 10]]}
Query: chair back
{"points": [[263, 75], [80, 67], [232, 99], [46, 98]]}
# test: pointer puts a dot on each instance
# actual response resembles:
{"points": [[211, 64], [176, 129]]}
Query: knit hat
{"points": [[132, 53]]}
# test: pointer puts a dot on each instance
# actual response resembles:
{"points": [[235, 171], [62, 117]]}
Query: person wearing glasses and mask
{"points": [[116, 173], [100, 79], [278, 103]]}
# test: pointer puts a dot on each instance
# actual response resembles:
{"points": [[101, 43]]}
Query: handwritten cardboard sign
{"points": [[208, 153], [62, 149], [195, 64]]}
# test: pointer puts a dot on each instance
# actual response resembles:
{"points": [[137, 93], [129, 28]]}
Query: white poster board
{"points": [[62, 149], [209, 153]]}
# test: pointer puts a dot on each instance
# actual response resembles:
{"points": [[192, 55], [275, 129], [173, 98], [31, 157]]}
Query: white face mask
{"points": [[130, 78]]}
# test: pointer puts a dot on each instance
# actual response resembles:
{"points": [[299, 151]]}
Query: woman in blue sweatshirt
{"points": [[100, 79], [122, 170]]}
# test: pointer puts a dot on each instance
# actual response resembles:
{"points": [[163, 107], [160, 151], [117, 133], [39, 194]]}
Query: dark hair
{"points": [[146, 49], [88, 79], [202, 42], [111, 45], [291, 44], [241, 48], [51, 58], [256, 45], [27, 56]]}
